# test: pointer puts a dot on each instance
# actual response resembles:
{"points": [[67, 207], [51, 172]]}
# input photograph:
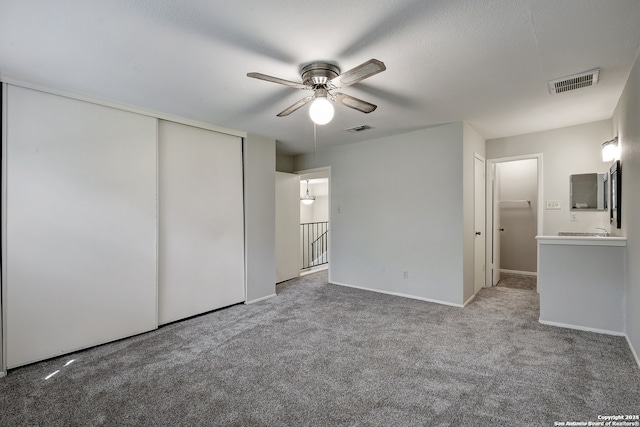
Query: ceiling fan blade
{"points": [[295, 106], [361, 72], [355, 103], [272, 79]]}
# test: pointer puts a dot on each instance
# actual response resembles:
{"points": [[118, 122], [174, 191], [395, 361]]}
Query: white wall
{"points": [[397, 205], [566, 151], [473, 144], [518, 180], [260, 222], [318, 211], [626, 125]]}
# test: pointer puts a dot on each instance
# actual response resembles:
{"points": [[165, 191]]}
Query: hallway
{"points": [[518, 281]]}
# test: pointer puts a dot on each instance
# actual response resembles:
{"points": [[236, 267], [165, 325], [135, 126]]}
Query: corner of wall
{"points": [[259, 212], [627, 128], [284, 163]]}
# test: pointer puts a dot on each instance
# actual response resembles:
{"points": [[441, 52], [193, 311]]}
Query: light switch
{"points": [[553, 204]]}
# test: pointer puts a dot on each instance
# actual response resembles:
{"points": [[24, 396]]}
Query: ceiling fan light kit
{"points": [[321, 110], [322, 78]]}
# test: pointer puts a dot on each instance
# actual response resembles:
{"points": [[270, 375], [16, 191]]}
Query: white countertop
{"points": [[582, 240]]}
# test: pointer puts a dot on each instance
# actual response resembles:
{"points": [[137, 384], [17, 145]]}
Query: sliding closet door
{"points": [[201, 237], [81, 227]]}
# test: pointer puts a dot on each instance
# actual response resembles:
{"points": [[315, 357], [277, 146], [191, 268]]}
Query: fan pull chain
{"points": [[315, 140]]}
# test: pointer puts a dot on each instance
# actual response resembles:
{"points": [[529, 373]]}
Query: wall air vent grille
{"points": [[576, 81], [360, 128]]}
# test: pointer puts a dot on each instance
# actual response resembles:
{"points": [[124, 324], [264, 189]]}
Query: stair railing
{"points": [[314, 244]]}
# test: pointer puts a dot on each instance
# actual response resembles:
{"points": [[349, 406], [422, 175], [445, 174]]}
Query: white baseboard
{"points": [[523, 273], [3, 374], [469, 300], [583, 328], [398, 294], [633, 350], [260, 299]]}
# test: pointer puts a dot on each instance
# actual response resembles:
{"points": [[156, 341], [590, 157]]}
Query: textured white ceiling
{"points": [[483, 61]]}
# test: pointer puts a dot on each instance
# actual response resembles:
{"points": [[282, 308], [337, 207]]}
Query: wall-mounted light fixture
{"points": [[610, 150], [307, 199]]}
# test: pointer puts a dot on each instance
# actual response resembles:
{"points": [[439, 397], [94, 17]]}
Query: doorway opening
{"points": [[314, 221], [514, 216]]}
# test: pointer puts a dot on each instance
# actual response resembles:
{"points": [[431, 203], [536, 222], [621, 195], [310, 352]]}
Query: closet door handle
{"points": [[478, 233]]}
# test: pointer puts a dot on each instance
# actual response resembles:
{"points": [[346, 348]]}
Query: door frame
{"points": [[483, 210], [491, 240]]}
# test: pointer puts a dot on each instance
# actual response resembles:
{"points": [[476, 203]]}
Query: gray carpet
{"points": [[518, 281], [325, 355]]}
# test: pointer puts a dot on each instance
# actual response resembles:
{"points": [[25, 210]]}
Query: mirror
{"points": [[588, 191], [616, 192]]}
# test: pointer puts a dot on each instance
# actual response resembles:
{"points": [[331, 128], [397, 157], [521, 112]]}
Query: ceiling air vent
{"points": [[576, 81], [360, 128]]}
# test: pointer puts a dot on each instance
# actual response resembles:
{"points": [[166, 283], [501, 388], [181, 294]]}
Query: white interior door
{"points": [[479, 223], [287, 226], [201, 225]]}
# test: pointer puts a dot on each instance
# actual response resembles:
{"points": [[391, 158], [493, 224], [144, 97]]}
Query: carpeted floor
{"points": [[324, 355], [518, 281]]}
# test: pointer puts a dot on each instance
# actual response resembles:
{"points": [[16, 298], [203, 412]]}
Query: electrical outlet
{"points": [[553, 204], [574, 217], [405, 274]]}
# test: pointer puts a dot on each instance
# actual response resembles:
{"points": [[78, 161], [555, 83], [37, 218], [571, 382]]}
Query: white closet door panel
{"points": [[81, 225], [201, 236]]}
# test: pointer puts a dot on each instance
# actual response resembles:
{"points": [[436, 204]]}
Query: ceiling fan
{"points": [[323, 78]]}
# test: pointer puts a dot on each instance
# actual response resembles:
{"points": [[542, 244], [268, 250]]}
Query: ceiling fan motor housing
{"points": [[318, 74]]}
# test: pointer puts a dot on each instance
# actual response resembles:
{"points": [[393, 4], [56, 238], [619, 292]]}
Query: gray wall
{"points": [[397, 205], [582, 286], [260, 216], [565, 151], [627, 126], [284, 163]]}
